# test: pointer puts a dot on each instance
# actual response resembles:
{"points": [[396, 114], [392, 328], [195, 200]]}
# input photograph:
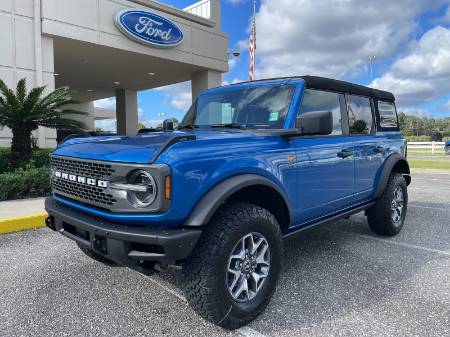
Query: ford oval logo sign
{"points": [[148, 28]]}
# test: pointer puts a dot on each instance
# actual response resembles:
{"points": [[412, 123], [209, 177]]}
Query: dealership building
{"points": [[107, 48]]}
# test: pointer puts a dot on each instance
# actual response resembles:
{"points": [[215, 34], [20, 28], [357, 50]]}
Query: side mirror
{"points": [[168, 125], [315, 123]]}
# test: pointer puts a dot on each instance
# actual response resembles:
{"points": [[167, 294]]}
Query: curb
{"points": [[21, 223]]}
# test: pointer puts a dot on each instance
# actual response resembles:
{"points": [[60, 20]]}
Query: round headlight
{"points": [[146, 195]]}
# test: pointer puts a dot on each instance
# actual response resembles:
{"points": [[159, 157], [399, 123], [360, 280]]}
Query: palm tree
{"points": [[24, 113]]}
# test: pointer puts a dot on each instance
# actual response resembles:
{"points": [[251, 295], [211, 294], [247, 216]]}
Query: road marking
{"points": [[249, 332], [404, 244], [174, 293], [429, 207], [244, 331]]}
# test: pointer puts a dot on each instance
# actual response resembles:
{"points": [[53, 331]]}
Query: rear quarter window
{"points": [[388, 115]]}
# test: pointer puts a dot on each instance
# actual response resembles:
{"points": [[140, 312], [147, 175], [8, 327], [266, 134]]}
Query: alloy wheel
{"points": [[248, 267]]}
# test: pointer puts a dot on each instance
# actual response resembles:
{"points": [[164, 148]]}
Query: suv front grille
{"points": [[81, 168], [91, 194]]}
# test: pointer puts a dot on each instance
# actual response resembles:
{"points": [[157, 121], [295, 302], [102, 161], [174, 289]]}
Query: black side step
{"points": [[332, 218]]}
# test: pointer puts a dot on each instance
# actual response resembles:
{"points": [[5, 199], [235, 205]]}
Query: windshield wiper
{"points": [[188, 126], [229, 125]]}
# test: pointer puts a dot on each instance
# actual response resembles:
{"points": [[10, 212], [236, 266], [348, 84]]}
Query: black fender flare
{"points": [[388, 165], [214, 198]]}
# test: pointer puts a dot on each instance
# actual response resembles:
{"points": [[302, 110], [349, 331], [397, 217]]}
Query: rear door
{"points": [[326, 179], [367, 149]]}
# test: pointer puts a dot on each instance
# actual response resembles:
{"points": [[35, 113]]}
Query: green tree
{"points": [[23, 113], [422, 128]]}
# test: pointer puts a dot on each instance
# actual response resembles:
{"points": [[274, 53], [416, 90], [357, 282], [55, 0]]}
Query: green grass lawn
{"points": [[429, 164], [426, 154], [419, 153]]}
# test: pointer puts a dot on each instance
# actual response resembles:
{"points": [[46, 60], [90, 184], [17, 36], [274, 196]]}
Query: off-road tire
{"points": [[97, 257], [206, 268], [379, 216]]}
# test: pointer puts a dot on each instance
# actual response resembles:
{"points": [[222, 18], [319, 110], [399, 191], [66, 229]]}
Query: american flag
{"points": [[252, 45]]}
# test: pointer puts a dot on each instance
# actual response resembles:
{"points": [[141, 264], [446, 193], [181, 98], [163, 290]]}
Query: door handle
{"points": [[344, 154], [379, 149]]}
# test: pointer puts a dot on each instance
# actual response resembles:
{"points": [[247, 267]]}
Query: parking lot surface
{"points": [[337, 280]]}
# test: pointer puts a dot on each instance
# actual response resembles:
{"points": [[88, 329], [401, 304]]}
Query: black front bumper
{"points": [[127, 245]]}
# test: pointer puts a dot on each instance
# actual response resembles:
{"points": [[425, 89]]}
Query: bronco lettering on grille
{"points": [[81, 179]]}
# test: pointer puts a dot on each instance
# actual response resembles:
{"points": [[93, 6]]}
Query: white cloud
{"points": [[107, 124], [331, 37], [416, 112], [446, 17], [110, 104], [231, 63], [106, 103], [447, 105], [423, 74], [179, 95], [234, 81], [151, 123]]}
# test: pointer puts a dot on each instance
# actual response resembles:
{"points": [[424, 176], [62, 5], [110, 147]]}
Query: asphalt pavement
{"points": [[337, 280]]}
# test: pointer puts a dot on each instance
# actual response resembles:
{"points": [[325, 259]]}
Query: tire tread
{"points": [[379, 216], [199, 279]]}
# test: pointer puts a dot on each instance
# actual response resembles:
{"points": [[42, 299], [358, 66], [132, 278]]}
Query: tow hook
{"points": [[50, 223]]}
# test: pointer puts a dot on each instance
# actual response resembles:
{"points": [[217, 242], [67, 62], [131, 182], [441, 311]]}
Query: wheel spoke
{"points": [[397, 204], [243, 286], [239, 256], [260, 258], [257, 277], [248, 267], [237, 275]]}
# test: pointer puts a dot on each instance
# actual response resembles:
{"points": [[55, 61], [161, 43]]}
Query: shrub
{"points": [[40, 158], [25, 182], [4, 160], [418, 138]]}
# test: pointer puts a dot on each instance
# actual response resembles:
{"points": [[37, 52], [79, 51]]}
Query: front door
{"points": [[326, 172]]}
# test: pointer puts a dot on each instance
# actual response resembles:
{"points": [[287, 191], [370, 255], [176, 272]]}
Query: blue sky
{"points": [[410, 40]]}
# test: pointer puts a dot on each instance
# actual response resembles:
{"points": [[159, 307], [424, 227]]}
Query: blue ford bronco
{"points": [[249, 165]]}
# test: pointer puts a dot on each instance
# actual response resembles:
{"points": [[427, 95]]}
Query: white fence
{"points": [[426, 147]]}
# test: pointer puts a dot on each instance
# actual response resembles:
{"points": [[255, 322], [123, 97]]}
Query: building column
{"points": [[215, 11], [204, 80], [88, 119], [126, 112]]}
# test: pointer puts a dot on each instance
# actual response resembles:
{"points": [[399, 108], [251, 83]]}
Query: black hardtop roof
{"points": [[324, 83], [317, 82]]}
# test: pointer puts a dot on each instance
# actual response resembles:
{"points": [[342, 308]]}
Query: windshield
{"points": [[262, 107]]}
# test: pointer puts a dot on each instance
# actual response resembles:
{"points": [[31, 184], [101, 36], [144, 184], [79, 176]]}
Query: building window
{"points": [[359, 115], [317, 100], [388, 115]]}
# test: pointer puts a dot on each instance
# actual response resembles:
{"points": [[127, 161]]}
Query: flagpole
{"points": [[252, 42], [254, 36]]}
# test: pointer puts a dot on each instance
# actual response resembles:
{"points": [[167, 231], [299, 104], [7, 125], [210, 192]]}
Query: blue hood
{"points": [[135, 149]]}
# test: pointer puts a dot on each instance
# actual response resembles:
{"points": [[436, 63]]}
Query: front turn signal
{"points": [[168, 187]]}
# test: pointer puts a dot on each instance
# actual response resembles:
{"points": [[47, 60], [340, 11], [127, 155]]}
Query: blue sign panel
{"points": [[148, 28]]}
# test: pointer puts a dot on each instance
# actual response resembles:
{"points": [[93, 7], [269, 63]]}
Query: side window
{"points": [[317, 100], [360, 118], [388, 115]]}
